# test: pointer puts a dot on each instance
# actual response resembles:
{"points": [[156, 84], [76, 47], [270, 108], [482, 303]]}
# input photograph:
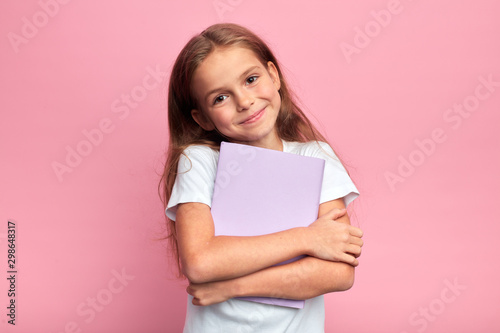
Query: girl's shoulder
{"points": [[200, 149], [198, 155], [311, 148]]}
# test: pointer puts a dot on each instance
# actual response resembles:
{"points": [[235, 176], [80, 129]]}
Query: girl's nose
{"points": [[244, 100]]}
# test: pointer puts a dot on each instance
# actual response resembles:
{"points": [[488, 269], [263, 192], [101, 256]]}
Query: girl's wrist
{"points": [[305, 241], [237, 288]]}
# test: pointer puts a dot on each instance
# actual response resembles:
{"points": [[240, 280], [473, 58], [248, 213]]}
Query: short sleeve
{"points": [[336, 181], [195, 178]]}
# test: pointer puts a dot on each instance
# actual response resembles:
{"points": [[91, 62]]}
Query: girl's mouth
{"points": [[254, 117]]}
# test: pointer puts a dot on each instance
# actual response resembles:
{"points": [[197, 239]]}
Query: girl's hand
{"points": [[210, 293], [335, 241]]}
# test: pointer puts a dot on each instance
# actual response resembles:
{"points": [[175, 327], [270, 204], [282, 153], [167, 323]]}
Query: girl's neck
{"points": [[274, 142]]}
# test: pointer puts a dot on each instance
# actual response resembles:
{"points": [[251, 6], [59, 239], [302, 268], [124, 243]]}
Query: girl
{"points": [[227, 85]]}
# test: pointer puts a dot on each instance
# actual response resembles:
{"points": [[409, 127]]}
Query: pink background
{"points": [[430, 259]]}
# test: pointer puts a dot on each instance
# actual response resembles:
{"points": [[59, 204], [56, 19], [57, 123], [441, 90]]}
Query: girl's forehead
{"points": [[231, 58]]}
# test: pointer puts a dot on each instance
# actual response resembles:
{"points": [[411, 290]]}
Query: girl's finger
{"points": [[354, 231], [354, 250]]}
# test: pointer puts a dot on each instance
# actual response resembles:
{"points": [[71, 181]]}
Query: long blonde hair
{"points": [[292, 124]]}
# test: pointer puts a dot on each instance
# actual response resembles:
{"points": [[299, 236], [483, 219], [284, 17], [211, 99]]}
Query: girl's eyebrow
{"points": [[245, 73]]}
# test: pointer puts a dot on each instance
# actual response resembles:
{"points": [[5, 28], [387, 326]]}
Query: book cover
{"points": [[260, 191]]}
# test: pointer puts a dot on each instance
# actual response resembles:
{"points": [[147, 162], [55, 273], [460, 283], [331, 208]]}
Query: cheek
{"points": [[270, 92], [223, 116], [275, 98]]}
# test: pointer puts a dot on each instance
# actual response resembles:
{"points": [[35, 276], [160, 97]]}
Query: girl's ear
{"points": [[273, 72], [201, 120]]}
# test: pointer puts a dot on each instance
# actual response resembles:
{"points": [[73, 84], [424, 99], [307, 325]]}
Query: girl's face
{"points": [[238, 96]]}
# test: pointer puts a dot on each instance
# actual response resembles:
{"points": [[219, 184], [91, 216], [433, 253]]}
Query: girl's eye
{"points": [[219, 99], [252, 79]]}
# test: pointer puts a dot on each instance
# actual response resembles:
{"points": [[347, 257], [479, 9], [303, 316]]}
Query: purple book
{"points": [[261, 191]]}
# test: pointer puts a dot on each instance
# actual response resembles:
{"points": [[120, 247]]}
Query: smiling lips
{"points": [[254, 117]]}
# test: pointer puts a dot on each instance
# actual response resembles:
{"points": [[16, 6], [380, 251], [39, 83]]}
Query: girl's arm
{"points": [[302, 279], [207, 258]]}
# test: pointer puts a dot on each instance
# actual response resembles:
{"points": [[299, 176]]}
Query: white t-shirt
{"points": [[195, 183]]}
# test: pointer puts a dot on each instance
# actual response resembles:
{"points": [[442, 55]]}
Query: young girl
{"points": [[226, 85]]}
